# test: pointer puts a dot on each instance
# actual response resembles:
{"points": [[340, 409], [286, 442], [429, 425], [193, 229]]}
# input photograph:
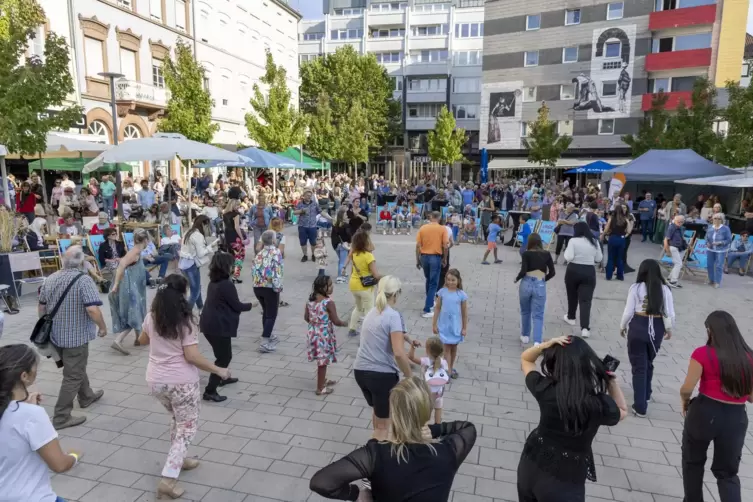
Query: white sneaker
{"points": [[524, 340], [536, 344], [585, 333], [569, 321], [427, 315]]}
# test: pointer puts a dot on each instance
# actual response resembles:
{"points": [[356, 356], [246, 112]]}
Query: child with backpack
{"points": [[435, 370]]}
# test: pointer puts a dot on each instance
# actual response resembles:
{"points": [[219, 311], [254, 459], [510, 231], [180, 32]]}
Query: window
{"points": [[37, 44], [308, 57], [125, 3], [467, 58], [397, 83], [427, 85], [690, 42], [388, 7], [463, 84], [662, 44], [529, 94], [609, 88], [429, 56], [432, 7], [565, 127], [424, 110], [465, 111], [533, 22], [683, 83], [606, 126], [524, 129], [572, 16], [660, 85], [567, 91], [180, 14], [313, 36], [346, 34], [98, 128], [745, 72], [469, 30], [348, 12], [570, 54], [388, 57], [430, 31], [531, 58], [158, 77], [155, 9], [615, 10], [388, 33], [94, 57], [613, 49]]}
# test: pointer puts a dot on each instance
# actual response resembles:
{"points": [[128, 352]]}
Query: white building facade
{"points": [[431, 49], [133, 37]]}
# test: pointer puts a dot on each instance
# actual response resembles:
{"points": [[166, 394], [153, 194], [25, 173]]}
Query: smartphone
{"points": [[611, 363]]}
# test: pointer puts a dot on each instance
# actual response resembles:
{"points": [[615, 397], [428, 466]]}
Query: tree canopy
{"points": [[31, 85], [446, 141], [735, 148], [545, 145], [651, 132], [189, 109]]}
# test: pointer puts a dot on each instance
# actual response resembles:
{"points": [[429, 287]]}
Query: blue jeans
{"points": [[342, 255], [532, 303], [615, 255], [647, 229], [194, 283], [432, 265], [109, 203], [455, 230], [642, 348], [715, 266], [60, 499], [163, 261], [740, 258]]}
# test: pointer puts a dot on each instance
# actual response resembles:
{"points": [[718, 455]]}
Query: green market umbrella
{"points": [[313, 163], [75, 165]]}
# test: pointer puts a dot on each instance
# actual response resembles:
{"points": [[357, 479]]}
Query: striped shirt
{"points": [[72, 326]]}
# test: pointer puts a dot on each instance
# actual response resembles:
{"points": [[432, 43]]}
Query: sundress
{"points": [[128, 305], [321, 334]]}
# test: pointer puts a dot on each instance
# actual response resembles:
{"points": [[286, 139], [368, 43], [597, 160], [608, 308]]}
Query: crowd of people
{"points": [[409, 459]]}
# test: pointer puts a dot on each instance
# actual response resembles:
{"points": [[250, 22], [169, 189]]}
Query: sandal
{"points": [[330, 383], [454, 374], [324, 391], [284, 304]]}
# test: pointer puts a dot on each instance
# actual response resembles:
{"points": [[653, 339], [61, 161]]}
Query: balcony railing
{"points": [[131, 90], [680, 18], [673, 60], [673, 100]]}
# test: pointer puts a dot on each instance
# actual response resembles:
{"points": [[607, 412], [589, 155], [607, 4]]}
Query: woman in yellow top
{"points": [[364, 265]]}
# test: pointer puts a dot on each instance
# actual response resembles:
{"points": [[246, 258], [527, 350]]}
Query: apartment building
{"points": [[133, 37], [431, 49], [597, 65]]}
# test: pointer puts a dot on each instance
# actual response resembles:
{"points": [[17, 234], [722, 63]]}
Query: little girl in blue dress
{"points": [[451, 316]]}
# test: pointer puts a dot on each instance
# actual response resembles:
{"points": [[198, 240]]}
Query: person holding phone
{"points": [[648, 319]]}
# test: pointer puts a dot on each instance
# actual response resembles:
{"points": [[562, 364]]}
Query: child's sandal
{"points": [[324, 391], [330, 383]]}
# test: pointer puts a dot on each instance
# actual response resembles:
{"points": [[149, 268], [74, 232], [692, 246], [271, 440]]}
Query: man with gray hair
{"points": [[675, 245], [77, 322]]}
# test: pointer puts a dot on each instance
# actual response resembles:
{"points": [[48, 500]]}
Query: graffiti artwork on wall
{"points": [[501, 106]]}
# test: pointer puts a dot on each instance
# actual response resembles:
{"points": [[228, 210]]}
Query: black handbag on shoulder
{"points": [[367, 281], [40, 335]]}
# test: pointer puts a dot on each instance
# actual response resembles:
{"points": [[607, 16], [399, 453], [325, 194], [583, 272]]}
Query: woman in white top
{"points": [[582, 254], [30, 445], [648, 319], [194, 254]]}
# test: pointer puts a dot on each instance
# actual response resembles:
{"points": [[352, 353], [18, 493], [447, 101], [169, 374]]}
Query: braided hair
{"points": [[320, 287], [15, 360]]}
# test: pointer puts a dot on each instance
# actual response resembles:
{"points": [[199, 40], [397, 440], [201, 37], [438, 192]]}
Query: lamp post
{"points": [[111, 76]]}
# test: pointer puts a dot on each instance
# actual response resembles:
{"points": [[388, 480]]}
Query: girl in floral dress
{"points": [[321, 315]]}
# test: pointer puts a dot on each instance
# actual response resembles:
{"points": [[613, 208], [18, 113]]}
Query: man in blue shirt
{"points": [[145, 196], [647, 210], [468, 195], [491, 242], [739, 253]]}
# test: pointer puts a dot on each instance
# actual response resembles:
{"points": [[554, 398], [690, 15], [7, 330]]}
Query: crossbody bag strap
{"points": [[65, 293]]}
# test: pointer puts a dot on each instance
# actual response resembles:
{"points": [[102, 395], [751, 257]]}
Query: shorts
{"points": [[491, 245], [376, 387], [307, 234]]}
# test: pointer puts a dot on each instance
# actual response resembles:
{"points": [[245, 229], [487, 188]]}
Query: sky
{"points": [[312, 9]]}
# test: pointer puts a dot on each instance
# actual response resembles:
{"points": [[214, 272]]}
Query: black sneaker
{"points": [[639, 415], [228, 381], [217, 398], [674, 284], [312, 258], [304, 259]]}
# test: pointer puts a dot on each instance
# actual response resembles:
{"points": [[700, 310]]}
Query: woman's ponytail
{"points": [[389, 286]]}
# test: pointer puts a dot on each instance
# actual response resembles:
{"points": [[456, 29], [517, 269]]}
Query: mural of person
{"points": [[623, 85], [587, 95], [503, 107]]}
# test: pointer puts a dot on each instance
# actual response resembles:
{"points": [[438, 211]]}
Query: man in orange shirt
{"points": [[432, 243]]}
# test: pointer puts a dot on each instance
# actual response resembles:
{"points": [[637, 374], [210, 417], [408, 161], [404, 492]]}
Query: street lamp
{"points": [[111, 76]]}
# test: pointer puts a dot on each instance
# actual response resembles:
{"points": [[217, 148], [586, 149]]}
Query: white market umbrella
{"points": [[161, 147], [62, 146]]}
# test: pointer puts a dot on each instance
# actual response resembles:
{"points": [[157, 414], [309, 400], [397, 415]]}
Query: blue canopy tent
{"points": [[592, 168], [259, 159], [671, 165]]}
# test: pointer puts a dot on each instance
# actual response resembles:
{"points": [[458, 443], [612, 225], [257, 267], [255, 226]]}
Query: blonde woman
{"points": [[416, 463], [381, 353], [231, 220]]}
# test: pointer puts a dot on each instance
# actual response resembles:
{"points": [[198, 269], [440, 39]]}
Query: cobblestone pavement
{"points": [[273, 433]]}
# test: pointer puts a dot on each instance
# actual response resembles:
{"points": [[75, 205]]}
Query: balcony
{"points": [[420, 124], [681, 18], [674, 60], [426, 97], [130, 94], [673, 100], [430, 68], [386, 18], [387, 44], [430, 42]]}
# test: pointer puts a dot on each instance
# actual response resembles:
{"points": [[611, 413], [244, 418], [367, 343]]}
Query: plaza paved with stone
{"points": [[266, 441]]}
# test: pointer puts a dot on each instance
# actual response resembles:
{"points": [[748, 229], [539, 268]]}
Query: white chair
{"points": [[25, 262]]}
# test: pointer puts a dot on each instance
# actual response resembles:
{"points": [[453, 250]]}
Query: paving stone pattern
{"points": [[273, 433]]}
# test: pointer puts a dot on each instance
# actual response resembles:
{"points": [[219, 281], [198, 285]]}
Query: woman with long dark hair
{"points": [[724, 367], [619, 227], [582, 254], [31, 448], [576, 395], [647, 320], [173, 373], [536, 269], [194, 254]]}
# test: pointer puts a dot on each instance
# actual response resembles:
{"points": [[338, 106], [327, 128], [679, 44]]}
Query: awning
{"points": [[75, 165], [734, 181], [593, 168], [671, 165], [294, 153], [508, 163]]}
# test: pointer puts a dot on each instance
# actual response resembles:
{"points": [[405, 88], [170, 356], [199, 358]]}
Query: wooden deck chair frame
{"points": [[552, 235], [52, 261], [95, 241], [26, 262], [535, 227]]}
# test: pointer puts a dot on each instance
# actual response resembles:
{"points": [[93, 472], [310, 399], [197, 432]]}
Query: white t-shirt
{"points": [[24, 476]]}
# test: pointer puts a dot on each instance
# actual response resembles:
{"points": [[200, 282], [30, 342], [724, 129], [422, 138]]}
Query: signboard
{"points": [[80, 124]]}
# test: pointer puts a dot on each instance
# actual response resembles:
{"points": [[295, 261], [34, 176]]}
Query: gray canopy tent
{"points": [[670, 165]]}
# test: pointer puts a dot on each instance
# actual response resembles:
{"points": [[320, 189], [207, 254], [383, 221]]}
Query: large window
{"points": [[609, 88], [429, 56], [469, 30], [683, 83], [180, 15], [313, 36], [533, 22], [572, 16], [529, 94], [98, 128], [155, 9], [690, 42], [388, 57], [424, 110], [613, 49], [430, 31], [570, 54], [467, 58], [531, 58], [388, 33], [158, 77], [466, 84], [427, 85], [606, 126], [615, 10], [94, 57], [347, 34], [465, 111], [397, 83], [567, 91]]}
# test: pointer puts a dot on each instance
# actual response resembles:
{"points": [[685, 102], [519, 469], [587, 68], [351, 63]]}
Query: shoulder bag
{"points": [[40, 335], [367, 281]]}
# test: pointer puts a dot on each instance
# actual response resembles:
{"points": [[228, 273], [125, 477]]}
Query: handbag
{"points": [[367, 281], [40, 335]]}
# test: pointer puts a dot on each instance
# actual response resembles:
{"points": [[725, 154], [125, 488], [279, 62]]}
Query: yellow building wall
{"points": [[731, 41]]}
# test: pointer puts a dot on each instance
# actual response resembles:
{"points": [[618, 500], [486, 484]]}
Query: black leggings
{"points": [[443, 272], [223, 354], [535, 485], [562, 240], [269, 300], [580, 282], [724, 424]]}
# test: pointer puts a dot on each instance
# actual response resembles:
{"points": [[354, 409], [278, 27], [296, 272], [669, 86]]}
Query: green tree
{"points": [[322, 139], [735, 149], [346, 77], [651, 132], [31, 85], [545, 146], [693, 126], [354, 142], [446, 141], [189, 109], [277, 124]]}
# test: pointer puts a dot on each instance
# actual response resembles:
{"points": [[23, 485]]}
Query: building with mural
{"points": [[597, 67]]}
